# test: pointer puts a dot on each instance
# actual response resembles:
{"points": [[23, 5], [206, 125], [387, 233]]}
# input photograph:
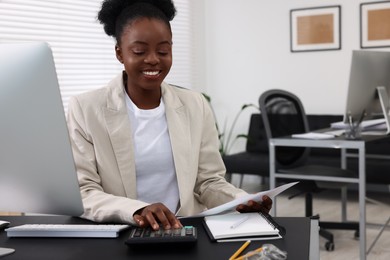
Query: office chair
{"points": [[283, 115], [254, 160]]}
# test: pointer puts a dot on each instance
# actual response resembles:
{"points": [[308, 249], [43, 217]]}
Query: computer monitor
{"points": [[37, 170], [369, 86]]}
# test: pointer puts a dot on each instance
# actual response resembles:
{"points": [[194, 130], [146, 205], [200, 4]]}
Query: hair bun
{"points": [[111, 9], [166, 6]]}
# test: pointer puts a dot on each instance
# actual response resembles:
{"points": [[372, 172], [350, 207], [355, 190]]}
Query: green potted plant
{"points": [[226, 138]]}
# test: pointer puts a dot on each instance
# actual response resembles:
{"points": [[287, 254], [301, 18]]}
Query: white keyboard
{"points": [[66, 230]]}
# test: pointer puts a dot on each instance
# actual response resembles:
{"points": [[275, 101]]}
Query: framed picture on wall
{"points": [[375, 24], [315, 29]]}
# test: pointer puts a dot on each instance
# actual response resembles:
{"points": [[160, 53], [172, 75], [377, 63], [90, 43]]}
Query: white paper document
{"points": [[313, 135], [244, 199]]}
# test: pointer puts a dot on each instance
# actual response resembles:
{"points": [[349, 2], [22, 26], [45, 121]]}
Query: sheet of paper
{"points": [[243, 200], [312, 135], [337, 132]]}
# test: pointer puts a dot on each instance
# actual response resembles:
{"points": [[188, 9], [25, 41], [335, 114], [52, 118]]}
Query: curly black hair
{"points": [[116, 14]]}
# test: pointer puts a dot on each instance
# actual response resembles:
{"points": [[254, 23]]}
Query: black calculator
{"points": [[186, 234]]}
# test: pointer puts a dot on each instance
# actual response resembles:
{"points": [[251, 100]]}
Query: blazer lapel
{"points": [[119, 131], [179, 133]]}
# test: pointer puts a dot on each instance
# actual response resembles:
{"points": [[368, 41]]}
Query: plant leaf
{"points": [[207, 97]]}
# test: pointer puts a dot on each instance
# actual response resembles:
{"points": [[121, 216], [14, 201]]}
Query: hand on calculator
{"points": [[154, 214]]}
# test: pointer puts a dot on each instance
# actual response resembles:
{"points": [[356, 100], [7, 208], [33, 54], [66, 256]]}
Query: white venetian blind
{"points": [[183, 69], [83, 53]]}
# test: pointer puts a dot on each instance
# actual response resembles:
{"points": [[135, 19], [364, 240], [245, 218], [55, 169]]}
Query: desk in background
{"points": [[300, 242], [334, 143]]}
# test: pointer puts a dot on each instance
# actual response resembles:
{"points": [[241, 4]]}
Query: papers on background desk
{"points": [[230, 206], [313, 135], [323, 135], [374, 124]]}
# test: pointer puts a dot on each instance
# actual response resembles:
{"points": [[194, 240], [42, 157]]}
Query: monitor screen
{"points": [[37, 171], [369, 70]]}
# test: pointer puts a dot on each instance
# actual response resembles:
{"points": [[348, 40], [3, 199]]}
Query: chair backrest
{"points": [[283, 115], [257, 141]]}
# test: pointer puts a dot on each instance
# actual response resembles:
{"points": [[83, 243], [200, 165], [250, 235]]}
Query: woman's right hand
{"points": [[154, 214]]}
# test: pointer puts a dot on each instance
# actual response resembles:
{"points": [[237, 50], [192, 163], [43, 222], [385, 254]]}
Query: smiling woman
{"points": [[146, 151]]}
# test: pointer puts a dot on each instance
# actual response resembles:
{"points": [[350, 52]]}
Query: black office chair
{"points": [[283, 115], [254, 160]]}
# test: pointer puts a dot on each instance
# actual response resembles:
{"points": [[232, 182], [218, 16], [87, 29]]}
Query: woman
{"points": [[146, 151]]}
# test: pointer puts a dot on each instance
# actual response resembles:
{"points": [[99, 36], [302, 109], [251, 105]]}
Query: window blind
{"points": [[84, 55]]}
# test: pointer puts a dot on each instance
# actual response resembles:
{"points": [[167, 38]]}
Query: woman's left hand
{"points": [[254, 206]]}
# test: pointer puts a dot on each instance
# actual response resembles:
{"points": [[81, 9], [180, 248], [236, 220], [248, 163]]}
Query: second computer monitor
{"points": [[369, 70]]}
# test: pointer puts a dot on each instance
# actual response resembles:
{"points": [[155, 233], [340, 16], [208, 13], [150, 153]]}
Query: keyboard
{"points": [[66, 230], [145, 236]]}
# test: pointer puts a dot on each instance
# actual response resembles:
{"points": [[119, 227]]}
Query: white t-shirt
{"points": [[155, 169]]}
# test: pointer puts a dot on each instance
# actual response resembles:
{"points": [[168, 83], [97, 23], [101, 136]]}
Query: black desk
{"points": [[296, 243]]}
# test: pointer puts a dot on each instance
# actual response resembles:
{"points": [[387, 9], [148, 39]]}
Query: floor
{"points": [[327, 205]]}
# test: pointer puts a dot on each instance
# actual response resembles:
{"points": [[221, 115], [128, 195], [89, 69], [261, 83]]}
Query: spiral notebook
{"points": [[240, 227]]}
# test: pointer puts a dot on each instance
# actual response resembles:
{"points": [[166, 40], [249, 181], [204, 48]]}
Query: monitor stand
{"points": [[385, 106], [6, 251], [384, 100]]}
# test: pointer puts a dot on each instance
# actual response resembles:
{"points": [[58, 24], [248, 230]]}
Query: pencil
{"points": [[250, 254], [240, 250], [239, 222]]}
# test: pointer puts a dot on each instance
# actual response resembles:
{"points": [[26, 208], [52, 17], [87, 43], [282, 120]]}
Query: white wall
{"points": [[247, 51]]}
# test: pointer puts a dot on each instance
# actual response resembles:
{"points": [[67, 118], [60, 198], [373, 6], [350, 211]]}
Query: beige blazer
{"points": [[102, 145]]}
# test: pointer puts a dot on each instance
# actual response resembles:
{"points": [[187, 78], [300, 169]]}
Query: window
{"points": [[83, 53]]}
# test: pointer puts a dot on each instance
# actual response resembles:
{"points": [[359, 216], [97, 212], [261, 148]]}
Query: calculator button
{"points": [[177, 232], [157, 233], [147, 232], [167, 233], [138, 232], [188, 231]]}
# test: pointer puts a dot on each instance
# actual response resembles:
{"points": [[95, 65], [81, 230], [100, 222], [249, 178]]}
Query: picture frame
{"points": [[375, 24], [315, 29]]}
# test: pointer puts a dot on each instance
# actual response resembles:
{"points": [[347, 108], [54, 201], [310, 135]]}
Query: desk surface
{"points": [[296, 243]]}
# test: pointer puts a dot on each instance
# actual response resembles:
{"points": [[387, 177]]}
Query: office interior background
{"points": [[231, 50], [248, 51]]}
